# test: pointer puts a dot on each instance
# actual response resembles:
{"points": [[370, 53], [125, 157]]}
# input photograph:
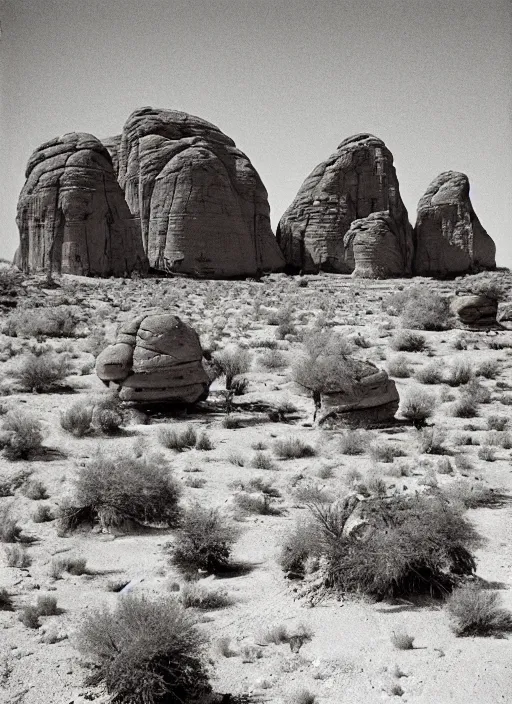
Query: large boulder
{"points": [[155, 359], [449, 238], [202, 207], [72, 215], [475, 311], [370, 398], [376, 249], [358, 179]]}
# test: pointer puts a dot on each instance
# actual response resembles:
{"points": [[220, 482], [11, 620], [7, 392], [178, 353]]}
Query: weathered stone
{"points": [[505, 313], [449, 238], [113, 145], [155, 359], [371, 398], [475, 311], [72, 215], [202, 207], [377, 249], [358, 179]]}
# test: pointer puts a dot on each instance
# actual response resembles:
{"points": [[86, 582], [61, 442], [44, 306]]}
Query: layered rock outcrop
{"points": [[370, 398], [155, 359], [72, 215], [375, 248], [202, 207], [475, 312], [449, 238], [355, 181]]}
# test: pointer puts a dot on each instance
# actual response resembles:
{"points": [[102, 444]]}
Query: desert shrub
{"points": [[325, 364], [35, 489], [465, 407], [197, 596], [301, 696], [120, 487], [399, 367], [472, 494], [495, 285], [431, 373], [23, 435], [261, 460], [354, 442], [195, 482], [236, 458], [29, 617], [412, 544], [146, 652], [489, 369], [77, 419], [479, 392], [41, 373], [425, 310], [272, 360], [277, 634], [477, 612], [10, 531], [431, 441], [292, 448], [204, 541], [408, 341], [251, 503], [325, 472], [47, 605], [6, 603], [459, 374], [444, 466], [306, 541], [43, 514], [239, 385], [497, 422], [95, 342], [17, 556], [402, 641], [74, 565], [418, 406], [386, 452], [232, 362], [311, 493], [177, 440], [204, 442], [109, 421], [58, 321]]}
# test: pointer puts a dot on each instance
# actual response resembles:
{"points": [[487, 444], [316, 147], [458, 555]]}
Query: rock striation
{"points": [[72, 215], [355, 181], [475, 312], [371, 398], [155, 359], [202, 207], [449, 238], [375, 248]]}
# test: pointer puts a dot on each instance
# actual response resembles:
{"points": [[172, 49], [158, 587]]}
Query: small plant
{"points": [[408, 341], [24, 436], [5, 600], [459, 374], [232, 362], [302, 696], [29, 617], [204, 442], [17, 556], [35, 490], [196, 596], [47, 605], [77, 419], [497, 422], [465, 407], [354, 442], [195, 482], [76, 566], [277, 635], [477, 612], [418, 406], [425, 311], [236, 458], [402, 641], [177, 440], [292, 448], [262, 504], [399, 367], [272, 360], [431, 373], [386, 452], [487, 453], [42, 373], [431, 441], [57, 321], [489, 369], [43, 514], [204, 541], [10, 531], [146, 651], [109, 421], [262, 461]]}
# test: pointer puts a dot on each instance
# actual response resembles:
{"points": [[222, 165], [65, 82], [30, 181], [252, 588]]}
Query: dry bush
{"points": [[325, 364], [431, 373], [204, 541], [17, 556], [399, 367], [272, 360], [204, 442], [386, 452], [23, 436], [58, 321], [43, 514], [425, 310], [431, 441], [177, 440], [78, 419], [459, 373], [477, 612], [232, 362], [194, 595], [292, 448], [408, 341], [146, 652], [473, 494], [497, 422], [77, 566], [489, 369], [418, 406], [402, 641], [354, 442], [42, 373], [10, 531], [465, 407], [261, 460], [119, 488], [35, 490]]}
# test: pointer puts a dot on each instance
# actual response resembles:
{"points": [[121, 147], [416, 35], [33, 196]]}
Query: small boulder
{"points": [[475, 311], [155, 359]]}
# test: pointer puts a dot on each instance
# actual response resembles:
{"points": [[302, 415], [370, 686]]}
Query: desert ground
{"points": [[352, 651]]}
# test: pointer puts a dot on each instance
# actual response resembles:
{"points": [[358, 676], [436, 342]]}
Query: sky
{"points": [[288, 80]]}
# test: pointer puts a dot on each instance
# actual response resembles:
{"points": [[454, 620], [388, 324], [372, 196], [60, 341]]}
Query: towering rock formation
{"points": [[376, 248], [72, 215], [355, 181], [449, 238], [202, 207], [113, 144]]}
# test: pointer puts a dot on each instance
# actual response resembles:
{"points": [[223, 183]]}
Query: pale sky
{"points": [[288, 80]]}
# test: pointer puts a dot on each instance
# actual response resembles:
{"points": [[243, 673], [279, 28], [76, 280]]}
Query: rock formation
{"points": [[370, 398], [376, 248], [449, 238], [355, 181], [475, 312], [202, 207], [113, 144], [155, 359], [72, 215]]}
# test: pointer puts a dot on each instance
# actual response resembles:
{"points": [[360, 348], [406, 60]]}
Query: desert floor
{"points": [[350, 658]]}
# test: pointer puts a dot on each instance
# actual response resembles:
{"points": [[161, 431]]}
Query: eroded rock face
{"points": [[475, 311], [202, 207], [449, 238], [113, 145], [358, 179], [377, 249], [72, 215], [372, 398], [155, 359]]}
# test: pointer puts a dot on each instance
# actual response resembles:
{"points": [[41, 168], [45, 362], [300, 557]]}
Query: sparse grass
{"points": [[302, 696], [10, 531], [402, 641], [204, 541], [489, 369], [29, 617], [194, 595], [354, 442], [17, 556], [236, 458], [292, 448], [58, 321], [146, 651], [76, 566], [47, 605], [204, 442], [177, 440], [260, 504], [41, 373], [6, 603], [478, 612], [431, 441], [487, 453], [23, 435], [472, 494], [277, 634]]}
